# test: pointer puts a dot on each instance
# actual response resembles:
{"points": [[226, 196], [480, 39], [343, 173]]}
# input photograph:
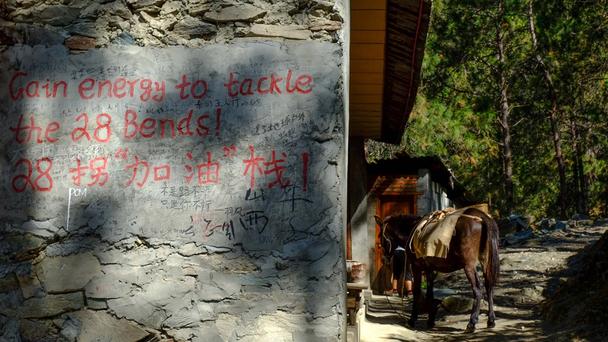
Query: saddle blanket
{"points": [[432, 235]]}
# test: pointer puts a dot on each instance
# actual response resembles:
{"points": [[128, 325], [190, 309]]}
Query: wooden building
{"points": [[403, 185], [386, 52]]}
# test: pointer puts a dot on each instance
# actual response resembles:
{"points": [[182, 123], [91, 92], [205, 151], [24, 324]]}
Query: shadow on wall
{"points": [[115, 248]]}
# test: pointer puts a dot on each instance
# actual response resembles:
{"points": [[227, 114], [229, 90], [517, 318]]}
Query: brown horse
{"points": [[475, 240]]}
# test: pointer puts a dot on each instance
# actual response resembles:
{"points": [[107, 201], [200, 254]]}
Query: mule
{"points": [[475, 239]]}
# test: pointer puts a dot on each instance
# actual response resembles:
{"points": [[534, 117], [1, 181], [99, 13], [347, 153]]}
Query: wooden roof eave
{"points": [[407, 21]]}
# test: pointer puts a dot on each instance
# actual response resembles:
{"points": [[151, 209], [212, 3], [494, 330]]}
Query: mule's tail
{"points": [[492, 261]]}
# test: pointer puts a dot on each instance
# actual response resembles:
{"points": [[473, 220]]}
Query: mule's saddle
{"points": [[432, 235]]}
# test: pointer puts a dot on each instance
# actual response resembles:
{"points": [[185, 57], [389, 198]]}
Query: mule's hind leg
{"points": [[473, 278], [490, 293], [417, 292]]}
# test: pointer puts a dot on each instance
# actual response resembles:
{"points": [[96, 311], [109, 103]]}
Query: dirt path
{"points": [[529, 271]]}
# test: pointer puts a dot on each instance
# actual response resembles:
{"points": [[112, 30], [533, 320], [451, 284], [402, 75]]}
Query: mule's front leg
{"points": [[430, 300], [476, 288], [416, 300]]}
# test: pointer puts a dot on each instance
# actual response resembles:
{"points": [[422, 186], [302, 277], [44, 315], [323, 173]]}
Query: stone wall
{"points": [[83, 24], [196, 196]]}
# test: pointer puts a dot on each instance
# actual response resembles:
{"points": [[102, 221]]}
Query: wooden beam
{"points": [[367, 4], [367, 51], [365, 78], [365, 89], [368, 20], [366, 65], [360, 36]]}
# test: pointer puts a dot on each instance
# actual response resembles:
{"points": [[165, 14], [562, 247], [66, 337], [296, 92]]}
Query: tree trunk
{"points": [[579, 172], [553, 116], [505, 110]]}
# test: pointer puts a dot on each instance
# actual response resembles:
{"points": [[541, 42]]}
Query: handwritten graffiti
{"points": [[147, 89], [97, 171], [254, 220], [207, 172], [24, 178]]}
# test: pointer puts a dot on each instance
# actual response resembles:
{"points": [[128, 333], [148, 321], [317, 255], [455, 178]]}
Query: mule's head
{"points": [[395, 231]]}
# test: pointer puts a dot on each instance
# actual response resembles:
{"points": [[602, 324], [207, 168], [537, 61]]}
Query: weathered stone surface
{"points": [[27, 3], [207, 333], [80, 43], [107, 286], [70, 329], [35, 330], [325, 24], [30, 286], [243, 12], [21, 247], [51, 305], [161, 292], [138, 309], [191, 249], [171, 7], [10, 329], [183, 318], [95, 304], [87, 29], [70, 273], [282, 31], [226, 327], [140, 275], [144, 3], [43, 229], [9, 283], [206, 311], [124, 38], [72, 246], [162, 267], [157, 24], [96, 324], [193, 28], [199, 8], [322, 4], [91, 11], [118, 8], [58, 15], [136, 257]]}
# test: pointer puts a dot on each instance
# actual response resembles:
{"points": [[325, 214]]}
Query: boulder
{"points": [[546, 223], [560, 225], [515, 238], [456, 304]]}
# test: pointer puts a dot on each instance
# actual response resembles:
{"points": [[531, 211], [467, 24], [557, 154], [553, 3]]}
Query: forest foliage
{"points": [[521, 85]]}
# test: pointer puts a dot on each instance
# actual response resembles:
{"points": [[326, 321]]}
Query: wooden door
{"points": [[388, 205]]}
